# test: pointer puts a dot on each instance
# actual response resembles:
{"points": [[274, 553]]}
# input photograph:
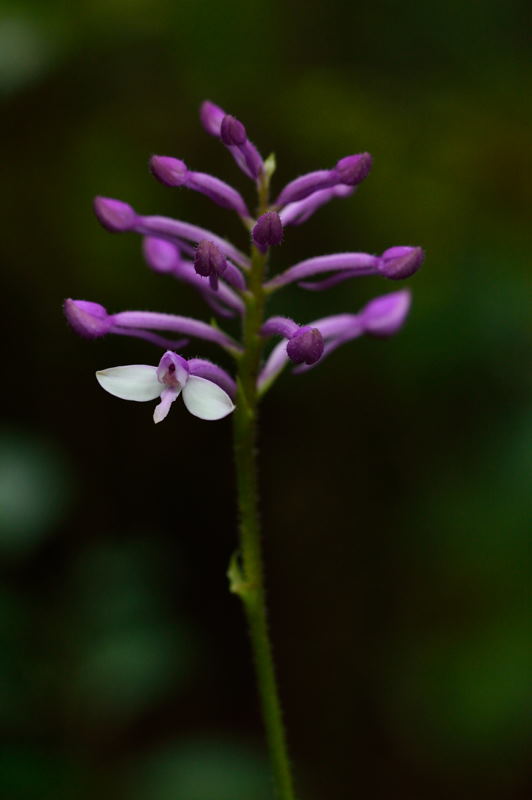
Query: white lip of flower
{"points": [[140, 382]]}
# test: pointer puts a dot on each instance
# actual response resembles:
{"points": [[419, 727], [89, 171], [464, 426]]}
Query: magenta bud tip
{"points": [[353, 169], [114, 215], [397, 263], [90, 320], [211, 117], [384, 316], [160, 255], [168, 170], [232, 131]]}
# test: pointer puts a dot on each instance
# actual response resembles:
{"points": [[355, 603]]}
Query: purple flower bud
{"points": [[305, 185], [209, 260], [234, 137], [397, 263], [219, 191], [268, 231], [90, 320], [385, 315], [114, 215], [353, 169], [161, 256], [298, 212], [168, 170], [232, 131], [306, 346], [211, 117]]}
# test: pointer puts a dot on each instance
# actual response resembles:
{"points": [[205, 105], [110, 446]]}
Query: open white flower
{"points": [[172, 377]]}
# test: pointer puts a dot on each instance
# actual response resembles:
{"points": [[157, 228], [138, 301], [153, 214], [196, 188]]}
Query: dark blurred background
{"points": [[394, 477]]}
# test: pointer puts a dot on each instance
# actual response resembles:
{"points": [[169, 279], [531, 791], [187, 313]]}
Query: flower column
{"points": [[246, 571]]}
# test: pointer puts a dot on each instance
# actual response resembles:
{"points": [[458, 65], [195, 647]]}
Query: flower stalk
{"points": [[246, 571], [233, 284]]}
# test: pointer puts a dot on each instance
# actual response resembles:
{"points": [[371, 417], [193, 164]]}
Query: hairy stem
{"points": [[246, 574]]}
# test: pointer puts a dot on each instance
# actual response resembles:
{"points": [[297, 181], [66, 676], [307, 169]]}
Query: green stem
{"points": [[247, 579]]}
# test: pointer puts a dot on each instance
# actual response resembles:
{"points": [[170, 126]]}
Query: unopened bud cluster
{"points": [[221, 272]]}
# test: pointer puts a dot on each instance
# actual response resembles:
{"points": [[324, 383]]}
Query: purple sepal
{"points": [[352, 170], [268, 231], [175, 231], [397, 263], [88, 319], [299, 212], [92, 320], [232, 132], [160, 255], [211, 117], [354, 263], [212, 372], [174, 172], [153, 338], [245, 153], [114, 215], [280, 326], [381, 317], [168, 170], [152, 320], [349, 171], [327, 283], [305, 185], [384, 316], [249, 159], [306, 346], [218, 191]]}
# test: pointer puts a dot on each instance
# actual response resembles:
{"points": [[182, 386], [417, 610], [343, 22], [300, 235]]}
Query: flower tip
{"points": [[268, 231], [211, 117], [88, 319], [384, 316], [397, 263], [168, 170], [306, 346], [114, 215], [353, 169], [160, 255], [232, 131]]}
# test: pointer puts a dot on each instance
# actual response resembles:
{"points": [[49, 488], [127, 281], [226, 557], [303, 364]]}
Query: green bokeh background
{"points": [[395, 477]]}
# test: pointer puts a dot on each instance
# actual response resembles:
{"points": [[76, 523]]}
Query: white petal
{"points": [[136, 382], [205, 399]]}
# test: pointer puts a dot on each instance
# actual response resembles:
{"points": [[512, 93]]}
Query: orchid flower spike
{"points": [[202, 397]]}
